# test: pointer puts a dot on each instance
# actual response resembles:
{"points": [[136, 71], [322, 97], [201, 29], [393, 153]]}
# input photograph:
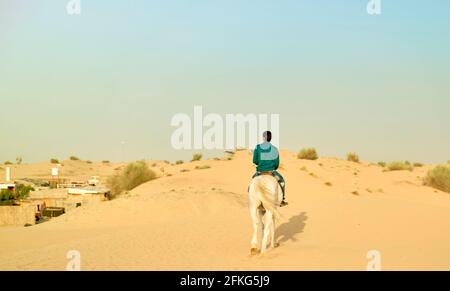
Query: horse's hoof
{"points": [[254, 251]]}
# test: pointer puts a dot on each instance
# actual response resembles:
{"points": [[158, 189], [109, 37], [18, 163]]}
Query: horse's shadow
{"points": [[287, 231]]}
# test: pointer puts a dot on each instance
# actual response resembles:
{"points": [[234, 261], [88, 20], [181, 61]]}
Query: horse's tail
{"points": [[268, 198]]}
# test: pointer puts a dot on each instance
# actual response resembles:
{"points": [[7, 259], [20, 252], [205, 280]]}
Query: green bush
{"points": [[8, 163], [382, 164], [133, 175], [399, 166], [308, 154], [6, 195], [54, 161], [439, 178], [353, 157], [179, 162], [196, 157], [73, 158], [105, 162], [23, 191], [418, 165]]}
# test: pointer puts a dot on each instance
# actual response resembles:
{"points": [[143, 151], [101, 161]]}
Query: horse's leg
{"points": [[268, 224], [256, 221], [272, 233]]}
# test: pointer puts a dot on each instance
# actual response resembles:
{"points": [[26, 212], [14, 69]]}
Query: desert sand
{"points": [[198, 220]]}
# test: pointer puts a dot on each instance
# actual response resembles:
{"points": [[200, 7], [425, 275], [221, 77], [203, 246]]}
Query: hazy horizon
{"points": [[341, 80]]}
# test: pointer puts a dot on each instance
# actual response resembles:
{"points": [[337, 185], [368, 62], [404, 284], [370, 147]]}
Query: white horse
{"points": [[265, 196]]}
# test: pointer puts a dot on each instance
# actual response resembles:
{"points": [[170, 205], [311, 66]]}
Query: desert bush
{"points": [[105, 162], [184, 170], [382, 164], [23, 191], [7, 163], [73, 158], [439, 178], [179, 162], [133, 175], [399, 166], [308, 154], [89, 162], [19, 160], [202, 167], [6, 195], [196, 157], [54, 161], [353, 157], [418, 165]]}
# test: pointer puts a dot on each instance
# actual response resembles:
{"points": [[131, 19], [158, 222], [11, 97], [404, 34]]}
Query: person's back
{"points": [[267, 159]]}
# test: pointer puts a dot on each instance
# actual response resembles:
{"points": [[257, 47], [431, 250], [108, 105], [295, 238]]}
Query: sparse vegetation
{"points": [[184, 170], [19, 160], [89, 162], [133, 175], [305, 169], [7, 163], [204, 167], [356, 193], [313, 175], [439, 178], [382, 164], [328, 184], [54, 161], [418, 165], [106, 162], [399, 166], [74, 158], [179, 162], [196, 157], [308, 154], [353, 157]]}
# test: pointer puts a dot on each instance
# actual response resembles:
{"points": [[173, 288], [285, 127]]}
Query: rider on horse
{"points": [[267, 159]]}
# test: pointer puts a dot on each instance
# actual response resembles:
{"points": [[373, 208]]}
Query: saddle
{"points": [[270, 173]]}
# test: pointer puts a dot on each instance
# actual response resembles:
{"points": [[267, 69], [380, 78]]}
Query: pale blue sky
{"points": [[340, 79]]}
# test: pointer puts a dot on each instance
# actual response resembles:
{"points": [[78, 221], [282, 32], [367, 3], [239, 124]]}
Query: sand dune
{"points": [[198, 220]]}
